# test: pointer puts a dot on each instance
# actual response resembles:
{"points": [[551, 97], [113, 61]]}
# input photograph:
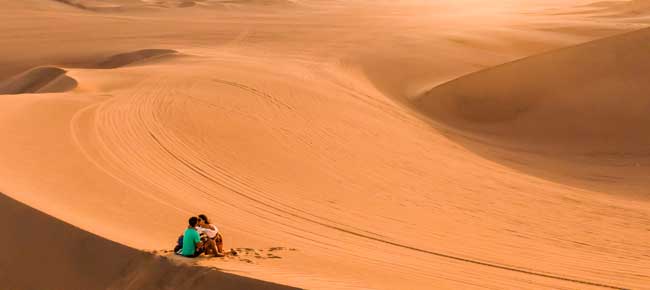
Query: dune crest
{"points": [[591, 98], [38, 80]]}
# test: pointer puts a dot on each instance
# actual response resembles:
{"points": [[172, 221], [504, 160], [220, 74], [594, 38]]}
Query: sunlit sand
{"points": [[337, 144]]}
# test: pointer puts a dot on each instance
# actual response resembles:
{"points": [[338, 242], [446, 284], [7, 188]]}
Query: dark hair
{"points": [[193, 220], [204, 218]]}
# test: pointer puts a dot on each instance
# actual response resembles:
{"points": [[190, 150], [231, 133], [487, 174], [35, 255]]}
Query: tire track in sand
{"points": [[141, 112]]}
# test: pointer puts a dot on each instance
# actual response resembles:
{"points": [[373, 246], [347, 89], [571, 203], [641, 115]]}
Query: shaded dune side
{"points": [[591, 98], [131, 5], [128, 58], [184, 4], [65, 257], [259, 2], [38, 80], [622, 8], [50, 79], [90, 6]]}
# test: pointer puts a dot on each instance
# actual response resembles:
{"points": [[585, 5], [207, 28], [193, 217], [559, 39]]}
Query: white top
{"points": [[211, 233]]}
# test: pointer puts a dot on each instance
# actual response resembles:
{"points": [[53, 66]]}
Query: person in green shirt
{"points": [[192, 246]]}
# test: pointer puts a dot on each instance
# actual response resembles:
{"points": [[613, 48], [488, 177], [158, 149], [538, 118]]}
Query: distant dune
{"points": [[92, 5], [50, 79], [591, 98], [135, 5], [622, 8], [38, 80], [127, 58]]}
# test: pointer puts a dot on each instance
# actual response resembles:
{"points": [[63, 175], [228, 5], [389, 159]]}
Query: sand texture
{"points": [[358, 144]]}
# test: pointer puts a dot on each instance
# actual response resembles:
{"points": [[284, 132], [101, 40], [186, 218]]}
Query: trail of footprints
{"points": [[247, 255]]}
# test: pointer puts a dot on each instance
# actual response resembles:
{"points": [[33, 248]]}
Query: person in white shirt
{"points": [[214, 241]]}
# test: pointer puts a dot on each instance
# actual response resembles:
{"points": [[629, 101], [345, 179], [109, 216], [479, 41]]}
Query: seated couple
{"points": [[200, 237]]}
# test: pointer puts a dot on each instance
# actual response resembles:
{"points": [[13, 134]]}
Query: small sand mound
{"points": [[38, 80], [588, 98], [65, 257], [124, 59]]}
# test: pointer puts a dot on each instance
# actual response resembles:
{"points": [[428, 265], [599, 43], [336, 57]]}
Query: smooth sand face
{"points": [[342, 142]]}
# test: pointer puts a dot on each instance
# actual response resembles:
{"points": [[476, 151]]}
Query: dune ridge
{"points": [[71, 258], [38, 80]]}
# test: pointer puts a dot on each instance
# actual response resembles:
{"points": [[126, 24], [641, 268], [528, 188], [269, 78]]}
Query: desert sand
{"points": [[355, 144]]}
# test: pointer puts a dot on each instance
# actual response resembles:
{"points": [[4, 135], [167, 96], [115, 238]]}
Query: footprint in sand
{"points": [[247, 254]]}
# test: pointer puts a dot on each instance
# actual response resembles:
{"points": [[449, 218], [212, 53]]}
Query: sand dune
{"points": [[140, 5], [123, 59], [54, 79], [125, 5], [295, 130], [587, 99], [622, 8], [92, 5], [575, 115], [70, 258], [38, 80]]}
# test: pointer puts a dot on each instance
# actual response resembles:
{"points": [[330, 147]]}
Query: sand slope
{"points": [[587, 99], [65, 257], [632, 8], [287, 125]]}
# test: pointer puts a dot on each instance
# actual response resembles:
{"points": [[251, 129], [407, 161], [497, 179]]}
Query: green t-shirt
{"points": [[190, 238]]}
